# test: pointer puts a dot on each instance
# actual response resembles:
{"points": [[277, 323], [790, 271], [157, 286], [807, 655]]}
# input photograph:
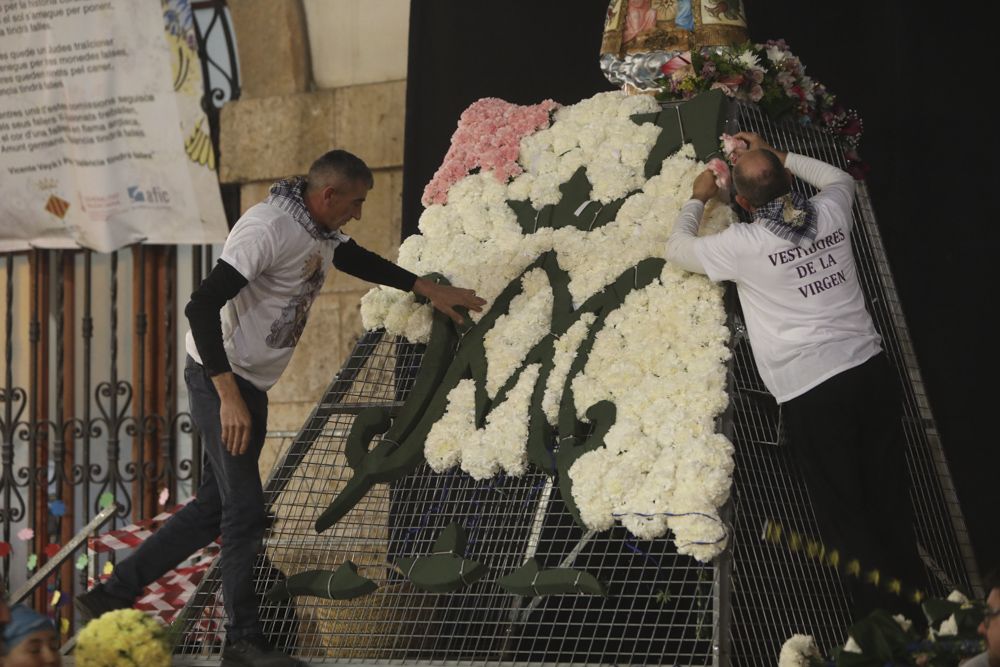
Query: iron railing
{"points": [[91, 410]]}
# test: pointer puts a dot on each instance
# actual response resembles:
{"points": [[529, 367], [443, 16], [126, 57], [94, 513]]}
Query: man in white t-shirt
{"points": [[246, 318], [818, 353]]}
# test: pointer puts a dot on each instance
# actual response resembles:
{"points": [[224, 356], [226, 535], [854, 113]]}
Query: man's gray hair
{"points": [[338, 165]]}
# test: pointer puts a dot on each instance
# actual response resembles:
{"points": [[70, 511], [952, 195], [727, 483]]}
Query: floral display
{"points": [[487, 138], [658, 356], [880, 639], [799, 651], [516, 332], [659, 359], [122, 638], [771, 76]]}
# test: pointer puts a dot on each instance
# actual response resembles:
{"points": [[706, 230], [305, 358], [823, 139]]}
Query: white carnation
{"points": [[797, 650], [949, 627], [958, 597], [513, 335], [565, 353]]}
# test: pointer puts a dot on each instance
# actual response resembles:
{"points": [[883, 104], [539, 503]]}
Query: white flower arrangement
{"points": [[797, 651], [949, 627], [455, 440], [660, 357], [565, 351], [514, 334]]}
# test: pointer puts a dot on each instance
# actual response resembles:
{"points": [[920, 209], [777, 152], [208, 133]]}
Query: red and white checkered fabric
{"points": [[165, 597]]}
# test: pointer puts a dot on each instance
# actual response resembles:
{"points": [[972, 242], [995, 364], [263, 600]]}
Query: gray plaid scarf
{"points": [[288, 195], [791, 216]]}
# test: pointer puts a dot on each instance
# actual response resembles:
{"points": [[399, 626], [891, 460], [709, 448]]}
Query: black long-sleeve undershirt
{"points": [[224, 282]]}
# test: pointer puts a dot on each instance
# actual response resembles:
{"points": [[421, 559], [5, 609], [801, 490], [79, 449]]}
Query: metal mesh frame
{"points": [[661, 608], [776, 592]]}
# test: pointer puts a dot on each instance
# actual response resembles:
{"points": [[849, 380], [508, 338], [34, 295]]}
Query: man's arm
{"points": [[680, 245], [362, 263], [222, 284], [351, 258], [834, 185]]}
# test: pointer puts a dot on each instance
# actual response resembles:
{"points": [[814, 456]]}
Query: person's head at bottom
{"points": [[30, 640], [990, 627]]}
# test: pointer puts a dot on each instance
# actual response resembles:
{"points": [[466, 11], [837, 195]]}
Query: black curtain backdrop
{"points": [[920, 80]]}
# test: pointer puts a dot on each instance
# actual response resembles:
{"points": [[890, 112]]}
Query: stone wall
{"points": [[318, 75]]}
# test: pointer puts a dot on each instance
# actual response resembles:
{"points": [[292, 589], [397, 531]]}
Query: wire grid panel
{"points": [[778, 593], [660, 607]]}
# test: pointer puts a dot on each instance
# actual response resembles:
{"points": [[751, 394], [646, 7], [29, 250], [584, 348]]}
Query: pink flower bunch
{"points": [[721, 171], [731, 144], [488, 138]]}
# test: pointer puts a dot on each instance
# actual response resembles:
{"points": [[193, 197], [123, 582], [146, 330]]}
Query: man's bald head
{"points": [[760, 177]]}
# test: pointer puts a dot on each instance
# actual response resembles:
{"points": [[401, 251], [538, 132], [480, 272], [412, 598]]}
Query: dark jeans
{"points": [[230, 502], [847, 437]]}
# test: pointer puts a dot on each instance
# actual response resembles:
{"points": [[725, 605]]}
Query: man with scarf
{"points": [[819, 354], [271, 269]]}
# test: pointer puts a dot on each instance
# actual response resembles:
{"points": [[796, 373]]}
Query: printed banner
{"points": [[103, 142]]}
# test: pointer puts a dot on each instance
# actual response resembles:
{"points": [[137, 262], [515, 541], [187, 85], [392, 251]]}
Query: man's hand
{"points": [[755, 142], [446, 298], [704, 186], [233, 414]]}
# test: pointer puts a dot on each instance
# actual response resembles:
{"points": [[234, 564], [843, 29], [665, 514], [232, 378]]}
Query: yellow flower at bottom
{"points": [[125, 636]]}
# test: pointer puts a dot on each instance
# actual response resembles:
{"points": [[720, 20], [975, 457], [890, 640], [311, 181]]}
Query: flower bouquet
{"points": [[122, 638], [771, 76], [881, 639]]}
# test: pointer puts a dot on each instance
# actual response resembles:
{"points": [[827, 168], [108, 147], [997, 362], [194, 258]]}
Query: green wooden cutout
{"points": [[446, 570], [390, 459], [698, 121], [529, 579], [573, 208], [704, 118], [669, 141], [344, 583]]}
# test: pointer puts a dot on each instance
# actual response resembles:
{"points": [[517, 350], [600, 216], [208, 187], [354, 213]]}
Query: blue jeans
{"points": [[230, 502]]}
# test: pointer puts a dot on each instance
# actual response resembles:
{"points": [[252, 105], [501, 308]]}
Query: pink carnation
{"points": [[721, 171], [731, 144], [488, 138]]}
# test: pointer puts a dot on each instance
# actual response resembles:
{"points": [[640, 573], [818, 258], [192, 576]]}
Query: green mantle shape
{"points": [[446, 570], [529, 579], [455, 352], [342, 584]]}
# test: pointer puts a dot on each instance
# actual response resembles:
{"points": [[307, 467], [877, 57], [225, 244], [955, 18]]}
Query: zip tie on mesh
{"points": [[533, 580], [329, 581], [576, 582]]}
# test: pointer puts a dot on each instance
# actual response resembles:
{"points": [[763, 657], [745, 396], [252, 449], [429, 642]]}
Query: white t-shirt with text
{"points": [[803, 305]]}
